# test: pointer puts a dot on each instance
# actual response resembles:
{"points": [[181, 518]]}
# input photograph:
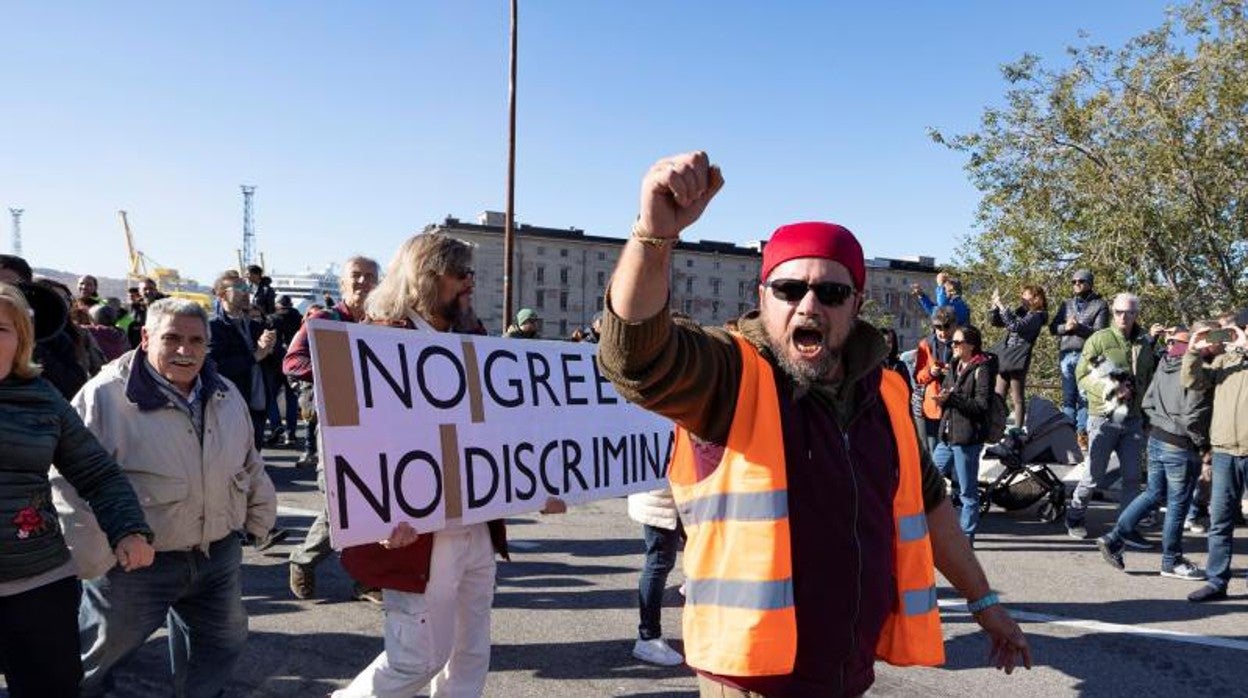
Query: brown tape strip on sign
{"points": [[450, 471], [473, 379], [335, 373]]}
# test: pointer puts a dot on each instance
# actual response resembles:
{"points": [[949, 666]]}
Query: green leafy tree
{"points": [[1131, 161]]}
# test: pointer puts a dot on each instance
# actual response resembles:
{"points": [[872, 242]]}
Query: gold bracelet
{"points": [[643, 236]]}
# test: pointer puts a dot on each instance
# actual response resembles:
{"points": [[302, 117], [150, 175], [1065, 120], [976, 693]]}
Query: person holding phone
{"points": [[1216, 361], [931, 363], [965, 398], [948, 294]]}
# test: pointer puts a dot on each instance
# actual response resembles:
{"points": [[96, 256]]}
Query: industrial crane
{"points": [[168, 281]]}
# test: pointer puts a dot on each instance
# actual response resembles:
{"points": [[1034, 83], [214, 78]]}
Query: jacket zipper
{"points": [[853, 625]]}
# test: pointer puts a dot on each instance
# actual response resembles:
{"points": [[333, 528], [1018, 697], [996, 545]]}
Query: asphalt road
{"points": [[565, 617]]}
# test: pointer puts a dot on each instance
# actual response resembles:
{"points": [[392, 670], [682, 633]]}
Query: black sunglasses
{"points": [[945, 326], [462, 273], [829, 293], [957, 342]]}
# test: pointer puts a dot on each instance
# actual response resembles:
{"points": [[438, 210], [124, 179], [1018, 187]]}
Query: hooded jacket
{"points": [[841, 465], [1179, 416]]}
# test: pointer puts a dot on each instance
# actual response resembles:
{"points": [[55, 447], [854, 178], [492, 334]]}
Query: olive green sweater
{"points": [[692, 374]]}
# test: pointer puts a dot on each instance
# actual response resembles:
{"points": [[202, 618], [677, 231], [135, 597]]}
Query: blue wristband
{"points": [[989, 600]]}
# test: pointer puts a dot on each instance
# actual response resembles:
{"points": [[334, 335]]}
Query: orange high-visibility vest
{"points": [[739, 617]]}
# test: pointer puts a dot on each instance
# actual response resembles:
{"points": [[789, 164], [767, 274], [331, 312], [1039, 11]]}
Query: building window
{"points": [[688, 263], [563, 328], [888, 299], [742, 308], [688, 284], [602, 256], [742, 267], [716, 265], [563, 275], [687, 307], [541, 250], [563, 252], [539, 301], [715, 283], [563, 300], [598, 303], [715, 309], [602, 279], [741, 288], [541, 274]]}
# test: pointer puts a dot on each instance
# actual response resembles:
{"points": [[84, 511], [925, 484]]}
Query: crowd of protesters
{"points": [[1163, 400]]}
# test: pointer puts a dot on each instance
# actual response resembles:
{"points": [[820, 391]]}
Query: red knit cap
{"points": [[814, 239]]}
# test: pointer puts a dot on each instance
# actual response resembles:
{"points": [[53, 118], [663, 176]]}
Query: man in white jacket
{"points": [[183, 437]]}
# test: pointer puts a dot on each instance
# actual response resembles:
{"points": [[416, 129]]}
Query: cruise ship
{"points": [[308, 287]]}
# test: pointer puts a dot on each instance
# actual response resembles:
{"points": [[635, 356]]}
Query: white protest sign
{"points": [[430, 427]]}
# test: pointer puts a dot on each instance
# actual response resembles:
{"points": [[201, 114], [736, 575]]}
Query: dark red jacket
{"points": [[297, 364]]}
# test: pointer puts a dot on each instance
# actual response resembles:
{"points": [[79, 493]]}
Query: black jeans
{"points": [[39, 640], [661, 547]]}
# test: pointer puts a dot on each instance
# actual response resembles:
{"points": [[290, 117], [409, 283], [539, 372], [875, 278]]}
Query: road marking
{"points": [[1097, 626], [296, 511]]}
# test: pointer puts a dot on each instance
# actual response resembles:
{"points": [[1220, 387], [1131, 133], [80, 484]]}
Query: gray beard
{"points": [[804, 373]]}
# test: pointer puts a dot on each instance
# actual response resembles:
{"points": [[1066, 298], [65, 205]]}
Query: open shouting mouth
{"points": [[808, 341]]}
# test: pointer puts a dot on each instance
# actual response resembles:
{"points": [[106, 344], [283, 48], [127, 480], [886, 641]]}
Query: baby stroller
{"points": [[1026, 477]]}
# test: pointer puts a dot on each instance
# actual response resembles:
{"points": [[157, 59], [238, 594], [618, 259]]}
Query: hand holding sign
{"points": [[402, 536], [554, 505]]}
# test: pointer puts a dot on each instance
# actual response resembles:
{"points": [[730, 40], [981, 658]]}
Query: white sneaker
{"points": [[656, 651]]}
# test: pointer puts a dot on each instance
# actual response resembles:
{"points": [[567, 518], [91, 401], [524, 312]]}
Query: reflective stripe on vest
{"points": [[764, 595], [911, 633], [746, 506], [739, 617], [738, 570]]}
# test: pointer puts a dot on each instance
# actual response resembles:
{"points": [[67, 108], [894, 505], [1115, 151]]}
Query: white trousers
{"points": [[440, 638]]}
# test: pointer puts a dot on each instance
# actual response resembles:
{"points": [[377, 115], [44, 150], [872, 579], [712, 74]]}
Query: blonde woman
{"points": [[39, 589]]}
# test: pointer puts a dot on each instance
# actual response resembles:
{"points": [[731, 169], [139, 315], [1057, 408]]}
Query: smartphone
{"points": [[1220, 336]]}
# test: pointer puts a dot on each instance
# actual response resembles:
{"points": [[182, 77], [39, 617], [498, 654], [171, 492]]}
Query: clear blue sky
{"points": [[362, 122]]}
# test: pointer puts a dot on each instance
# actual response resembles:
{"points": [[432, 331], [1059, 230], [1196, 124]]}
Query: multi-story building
{"points": [[563, 275], [890, 302]]}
